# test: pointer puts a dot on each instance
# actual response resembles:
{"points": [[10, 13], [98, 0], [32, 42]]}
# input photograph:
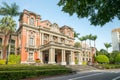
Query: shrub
{"points": [[117, 58], [14, 59], [2, 62], [76, 61], [102, 59], [17, 72], [84, 63], [37, 60]]}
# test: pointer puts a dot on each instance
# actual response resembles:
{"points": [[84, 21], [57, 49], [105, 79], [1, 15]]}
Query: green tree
{"points": [[94, 39], [84, 39], [107, 45], [76, 34], [77, 45], [102, 59], [99, 12], [117, 58], [9, 10], [81, 39], [7, 26], [90, 38]]}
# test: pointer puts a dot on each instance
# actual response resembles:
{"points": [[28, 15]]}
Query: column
{"points": [[51, 56], [41, 38], [63, 62], [79, 58], [41, 56], [72, 62]]}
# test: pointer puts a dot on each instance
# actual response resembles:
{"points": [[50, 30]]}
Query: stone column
{"points": [[51, 56], [41, 38], [41, 56], [72, 62], [79, 58], [63, 62]]}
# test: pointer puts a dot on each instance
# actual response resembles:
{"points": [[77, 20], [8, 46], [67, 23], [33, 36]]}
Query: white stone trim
{"points": [[63, 63], [72, 63], [79, 63], [51, 62]]}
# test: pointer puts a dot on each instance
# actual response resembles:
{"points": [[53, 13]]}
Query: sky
{"points": [[49, 10]]}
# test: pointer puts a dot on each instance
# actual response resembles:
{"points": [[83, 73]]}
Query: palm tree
{"points": [[81, 39], [90, 38], [107, 45], [7, 26], [94, 39], [76, 34], [9, 10], [84, 39]]}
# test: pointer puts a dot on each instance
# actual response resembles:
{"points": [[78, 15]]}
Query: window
{"points": [[31, 41], [31, 21], [12, 47], [30, 58]]}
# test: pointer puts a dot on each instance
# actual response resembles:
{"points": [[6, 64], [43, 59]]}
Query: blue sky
{"points": [[49, 10]]}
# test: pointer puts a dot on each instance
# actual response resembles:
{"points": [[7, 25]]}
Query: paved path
{"points": [[90, 75]]}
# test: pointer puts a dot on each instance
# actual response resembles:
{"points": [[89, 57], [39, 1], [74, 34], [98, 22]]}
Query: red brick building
{"points": [[47, 41]]}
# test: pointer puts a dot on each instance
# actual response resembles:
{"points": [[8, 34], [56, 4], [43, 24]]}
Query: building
{"points": [[50, 43], [116, 39]]}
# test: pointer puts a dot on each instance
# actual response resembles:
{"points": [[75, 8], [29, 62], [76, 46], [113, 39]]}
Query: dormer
{"points": [[46, 24], [55, 28], [67, 31], [29, 18]]}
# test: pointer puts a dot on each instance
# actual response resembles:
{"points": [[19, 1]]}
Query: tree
{"points": [[7, 26], [94, 39], [84, 39], [117, 58], [99, 12], [77, 45], [76, 34], [107, 45], [90, 38], [102, 59], [81, 39], [9, 10]]}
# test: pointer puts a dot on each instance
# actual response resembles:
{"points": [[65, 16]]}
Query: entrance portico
{"points": [[59, 54]]}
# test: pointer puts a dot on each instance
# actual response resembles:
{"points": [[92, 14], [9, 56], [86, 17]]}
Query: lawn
{"points": [[17, 72]]}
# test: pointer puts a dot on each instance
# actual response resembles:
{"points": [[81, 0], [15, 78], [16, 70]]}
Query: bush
{"points": [[117, 58], [17, 72], [37, 60], [2, 62], [14, 59], [84, 63], [102, 59]]}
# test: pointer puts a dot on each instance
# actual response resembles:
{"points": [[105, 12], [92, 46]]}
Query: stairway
{"points": [[81, 68]]}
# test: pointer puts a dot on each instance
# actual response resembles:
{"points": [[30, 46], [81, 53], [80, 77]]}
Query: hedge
{"points": [[17, 72], [17, 75]]}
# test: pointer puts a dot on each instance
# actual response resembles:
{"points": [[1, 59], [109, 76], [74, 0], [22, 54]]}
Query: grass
{"points": [[17, 72]]}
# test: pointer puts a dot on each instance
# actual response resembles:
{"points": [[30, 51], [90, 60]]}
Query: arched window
{"points": [[31, 21]]}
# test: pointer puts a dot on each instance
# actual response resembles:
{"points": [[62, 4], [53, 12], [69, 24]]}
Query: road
{"points": [[91, 75]]}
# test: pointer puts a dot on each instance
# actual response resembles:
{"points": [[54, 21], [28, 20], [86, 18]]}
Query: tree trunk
{"points": [[9, 47], [5, 46]]}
